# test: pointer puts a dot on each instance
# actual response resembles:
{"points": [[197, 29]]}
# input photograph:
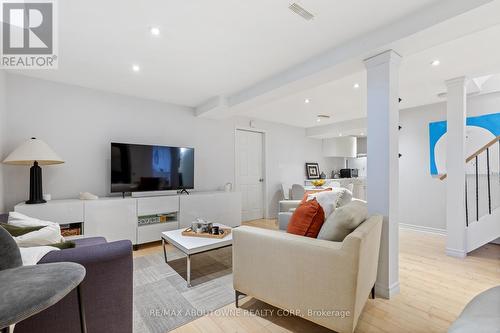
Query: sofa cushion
{"points": [[16, 231], [343, 221], [50, 233], [332, 199], [309, 192], [307, 219]]}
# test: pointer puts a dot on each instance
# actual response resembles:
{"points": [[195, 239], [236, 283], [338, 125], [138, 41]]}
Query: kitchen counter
{"points": [[359, 185]]}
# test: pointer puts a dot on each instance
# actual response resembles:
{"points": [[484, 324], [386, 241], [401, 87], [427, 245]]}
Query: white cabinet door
{"points": [[250, 173], [114, 219], [157, 205], [340, 147]]}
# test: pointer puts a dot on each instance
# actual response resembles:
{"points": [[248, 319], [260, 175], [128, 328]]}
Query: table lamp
{"points": [[34, 152]]}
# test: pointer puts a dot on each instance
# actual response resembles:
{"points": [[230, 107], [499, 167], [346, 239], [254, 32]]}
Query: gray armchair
{"points": [[286, 210]]}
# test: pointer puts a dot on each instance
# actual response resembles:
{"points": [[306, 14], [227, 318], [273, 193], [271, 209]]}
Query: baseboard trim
{"points": [[456, 253], [420, 228], [387, 292]]}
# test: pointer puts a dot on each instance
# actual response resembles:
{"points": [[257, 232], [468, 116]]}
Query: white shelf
{"points": [[117, 218]]}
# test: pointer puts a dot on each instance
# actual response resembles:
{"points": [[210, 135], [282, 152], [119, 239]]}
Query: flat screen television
{"points": [[143, 168]]}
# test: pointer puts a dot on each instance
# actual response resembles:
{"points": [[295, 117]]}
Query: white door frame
{"points": [[264, 162]]}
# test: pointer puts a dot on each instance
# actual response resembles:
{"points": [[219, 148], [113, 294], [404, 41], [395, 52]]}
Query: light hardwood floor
{"points": [[434, 290]]}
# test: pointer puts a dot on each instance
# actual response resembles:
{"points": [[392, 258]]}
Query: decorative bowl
{"points": [[318, 182]]}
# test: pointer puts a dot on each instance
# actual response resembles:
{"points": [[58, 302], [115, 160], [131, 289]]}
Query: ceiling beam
{"points": [[348, 127], [338, 61]]}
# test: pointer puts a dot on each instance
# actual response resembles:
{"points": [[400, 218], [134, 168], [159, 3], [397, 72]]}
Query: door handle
{"points": [[261, 180]]}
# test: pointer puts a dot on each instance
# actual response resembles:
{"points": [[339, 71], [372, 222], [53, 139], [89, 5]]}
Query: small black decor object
{"points": [[312, 171], [34, 152], [215, 230]]}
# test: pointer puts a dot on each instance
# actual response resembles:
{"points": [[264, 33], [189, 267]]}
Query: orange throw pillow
{"points": [[304, 199], [307, 219]]}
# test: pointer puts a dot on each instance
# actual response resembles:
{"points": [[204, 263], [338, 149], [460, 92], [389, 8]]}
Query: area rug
{"points": [[162, 300]]}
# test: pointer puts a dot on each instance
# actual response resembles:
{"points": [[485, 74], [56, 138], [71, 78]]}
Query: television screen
{"points": [[138, 168]]}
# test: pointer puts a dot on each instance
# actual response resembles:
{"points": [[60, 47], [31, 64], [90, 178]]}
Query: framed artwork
{"points": [[312, 170], [479, 130]]}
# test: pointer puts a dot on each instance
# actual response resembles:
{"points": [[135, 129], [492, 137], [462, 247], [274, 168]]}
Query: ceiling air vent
{"points": [[299, 10]]}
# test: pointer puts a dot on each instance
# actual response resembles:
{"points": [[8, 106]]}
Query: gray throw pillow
{"points": [[343, 221]]}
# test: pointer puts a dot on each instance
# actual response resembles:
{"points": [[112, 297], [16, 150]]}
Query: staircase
{"points": [[482, 195]]}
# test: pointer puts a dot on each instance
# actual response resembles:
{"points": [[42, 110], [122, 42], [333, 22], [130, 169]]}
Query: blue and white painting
{"points": [[480, 130]]}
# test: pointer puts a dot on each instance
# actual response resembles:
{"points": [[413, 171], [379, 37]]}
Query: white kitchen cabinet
{"points": [[340, 147], [362, 147]]}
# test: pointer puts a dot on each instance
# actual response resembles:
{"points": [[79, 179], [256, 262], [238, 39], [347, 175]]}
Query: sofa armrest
{"points": [[288, 205], [295, 272], [101, 253], [107, 292], [284, 220]]}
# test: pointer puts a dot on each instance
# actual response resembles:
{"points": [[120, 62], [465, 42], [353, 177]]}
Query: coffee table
{"points": [[190, 245]]}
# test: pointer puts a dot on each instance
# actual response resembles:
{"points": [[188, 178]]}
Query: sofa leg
{"points": [[81, 309], [237, 294], [373, 292]]}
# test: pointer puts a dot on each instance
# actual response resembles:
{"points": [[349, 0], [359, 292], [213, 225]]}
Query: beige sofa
{"points": [[322, 281]]}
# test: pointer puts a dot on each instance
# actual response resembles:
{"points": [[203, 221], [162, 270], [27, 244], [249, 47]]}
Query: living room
{"points": [[265, 113]]}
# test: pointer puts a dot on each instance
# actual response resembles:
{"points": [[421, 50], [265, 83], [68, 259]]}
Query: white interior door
{"points": [[250, 173]]}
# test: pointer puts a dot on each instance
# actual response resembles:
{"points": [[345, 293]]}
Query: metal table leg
{"points": [[164, 250], [188, 273]]}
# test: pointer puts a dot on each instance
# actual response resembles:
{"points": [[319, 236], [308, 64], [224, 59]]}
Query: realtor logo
{"points": [[28, 34]]}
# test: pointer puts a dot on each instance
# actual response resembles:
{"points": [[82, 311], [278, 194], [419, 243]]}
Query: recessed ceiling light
{"points": [[307, 101], [362, 133], [356, 86], [435, 63], [136, 68], [318, 120], [340, 134], [155, 31]]}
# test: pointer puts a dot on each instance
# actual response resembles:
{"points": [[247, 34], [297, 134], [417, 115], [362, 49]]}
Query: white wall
{"points": [[3, 105], [422, 197], [79, 124]]}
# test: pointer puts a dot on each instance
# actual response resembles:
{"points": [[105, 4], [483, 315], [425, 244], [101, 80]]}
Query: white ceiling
{"points": [[206, 48], [473, 55]]}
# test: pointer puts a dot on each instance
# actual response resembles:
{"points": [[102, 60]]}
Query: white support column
{"points": [[383, 164], [456, 114]]}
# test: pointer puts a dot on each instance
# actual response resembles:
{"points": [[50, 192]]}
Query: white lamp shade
{"points": [[31, 151]]}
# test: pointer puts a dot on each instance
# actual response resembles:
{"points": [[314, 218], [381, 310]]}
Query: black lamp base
{"points": [[36, 193]]}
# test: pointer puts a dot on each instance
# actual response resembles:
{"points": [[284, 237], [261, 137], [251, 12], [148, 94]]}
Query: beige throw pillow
{"points": [[343, 221]]}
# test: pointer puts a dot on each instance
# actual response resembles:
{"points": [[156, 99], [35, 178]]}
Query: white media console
{"points": [[118, 218]]}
